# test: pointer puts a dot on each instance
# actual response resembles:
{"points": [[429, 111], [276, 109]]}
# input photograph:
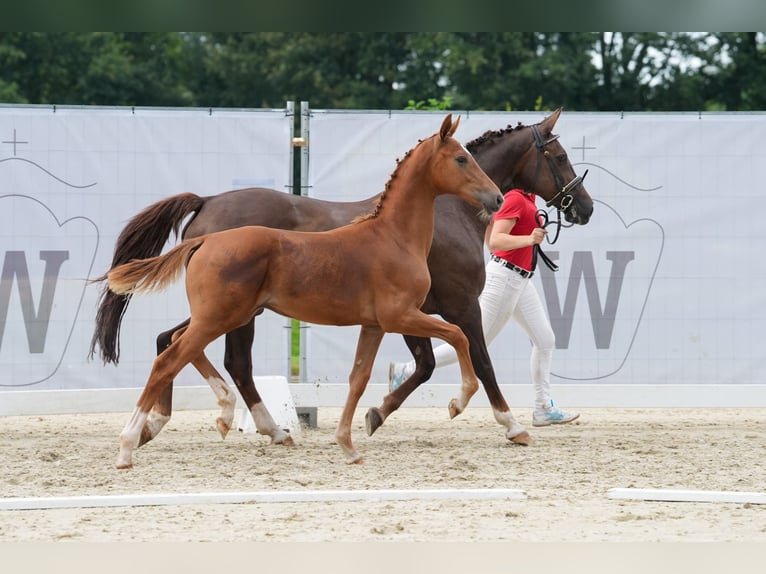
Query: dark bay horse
{"points": [[523, 156], [319, 277]]}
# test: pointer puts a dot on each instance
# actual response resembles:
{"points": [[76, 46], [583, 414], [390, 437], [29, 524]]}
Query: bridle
{"points": [[566, 195], [566, 190]]}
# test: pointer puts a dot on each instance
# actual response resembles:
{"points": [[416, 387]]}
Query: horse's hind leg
{"points": [[166, 366], [163, 408], [423, 353], [239, 364]]}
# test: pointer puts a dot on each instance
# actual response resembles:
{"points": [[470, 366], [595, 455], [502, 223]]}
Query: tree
{"points": [[100, 68], [388, 70], [265, 69], [737, 61]]}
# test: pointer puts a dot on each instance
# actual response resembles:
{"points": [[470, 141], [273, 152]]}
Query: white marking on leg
{"points": [[265, 424], [509, 422], [155, 422], [129, 438], [227, 400]]}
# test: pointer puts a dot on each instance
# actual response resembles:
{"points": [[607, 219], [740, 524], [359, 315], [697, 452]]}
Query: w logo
{"points": [[596, 311], [37, 320], [44, 265]]}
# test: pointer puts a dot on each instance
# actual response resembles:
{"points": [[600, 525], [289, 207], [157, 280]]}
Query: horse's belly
{"points": [[321, 311]]}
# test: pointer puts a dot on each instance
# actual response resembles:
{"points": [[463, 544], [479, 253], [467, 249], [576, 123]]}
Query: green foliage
{"points": [[600, 71], [431, 104]]}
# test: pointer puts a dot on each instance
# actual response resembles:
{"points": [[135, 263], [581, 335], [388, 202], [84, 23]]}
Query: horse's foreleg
{"points": [[515, 432], [423, 353], [238, 362], [419, 324], [472, 328], [366, 349], [469, 383]]}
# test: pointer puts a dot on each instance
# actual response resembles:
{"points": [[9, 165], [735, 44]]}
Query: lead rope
{"points": [[542, 221]]}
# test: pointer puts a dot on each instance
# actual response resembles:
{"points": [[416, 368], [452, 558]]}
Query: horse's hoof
{"points": [[453, 409], [223, 428], [523, 439], [287, 442], [356, 459], [282, 437], [372, 420], [123, 466]]}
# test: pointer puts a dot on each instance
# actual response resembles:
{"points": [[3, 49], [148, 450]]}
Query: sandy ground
{"points": [[565, 474]]}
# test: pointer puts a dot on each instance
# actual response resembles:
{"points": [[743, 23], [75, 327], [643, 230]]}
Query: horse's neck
{"points": [[408, 207], [501, 158]]}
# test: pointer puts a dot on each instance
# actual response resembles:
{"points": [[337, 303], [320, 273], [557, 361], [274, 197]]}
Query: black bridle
{"points": [[566, 190], [566, 194]]}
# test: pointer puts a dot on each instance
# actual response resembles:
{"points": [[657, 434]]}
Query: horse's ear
{"points": [[454, 126], [446, 130], [548, 123]]}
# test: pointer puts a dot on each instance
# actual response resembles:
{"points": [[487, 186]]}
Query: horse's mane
{"points": [[491, 135], [376, 208]]}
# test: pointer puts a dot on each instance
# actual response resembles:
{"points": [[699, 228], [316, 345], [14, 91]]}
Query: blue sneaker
{"points": [[542, 417], [397, 374]]}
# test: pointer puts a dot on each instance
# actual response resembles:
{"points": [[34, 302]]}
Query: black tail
{"points": [[144, 236]]}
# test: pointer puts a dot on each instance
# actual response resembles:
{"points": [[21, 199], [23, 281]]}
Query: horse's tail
{"points": [[144, 236], [153, 274]]}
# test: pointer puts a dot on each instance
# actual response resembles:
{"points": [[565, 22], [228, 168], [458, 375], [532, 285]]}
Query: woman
{"points": [[509, 293]]}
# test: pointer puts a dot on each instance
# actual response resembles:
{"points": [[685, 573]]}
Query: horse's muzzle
{"points": [[578, 214], [491, 201]]}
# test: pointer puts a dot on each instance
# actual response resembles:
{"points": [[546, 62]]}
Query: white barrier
{"points": [[41, 503]]}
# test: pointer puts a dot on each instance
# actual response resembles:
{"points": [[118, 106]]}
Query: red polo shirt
{"points": [[521, 206]]}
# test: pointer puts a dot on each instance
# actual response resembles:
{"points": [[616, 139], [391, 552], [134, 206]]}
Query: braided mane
{"points": [[491, 135], [376, 209]]}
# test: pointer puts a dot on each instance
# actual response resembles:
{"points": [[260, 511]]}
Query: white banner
{"points": [[662, 286], [70, 179], [659, 290]]}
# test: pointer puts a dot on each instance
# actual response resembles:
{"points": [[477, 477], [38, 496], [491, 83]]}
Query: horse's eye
{"points": [[562, 158], [462, 160]]}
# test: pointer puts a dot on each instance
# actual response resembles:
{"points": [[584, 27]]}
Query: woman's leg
{"points": [[530, 314]]}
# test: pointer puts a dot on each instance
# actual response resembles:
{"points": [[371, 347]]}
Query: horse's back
{"points": [[272, 208]]}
